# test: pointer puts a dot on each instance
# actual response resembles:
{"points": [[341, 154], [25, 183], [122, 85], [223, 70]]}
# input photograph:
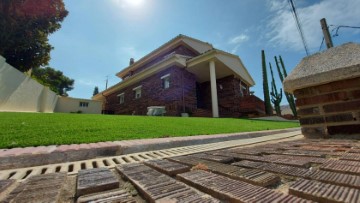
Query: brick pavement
{"points": [[168, 181]]}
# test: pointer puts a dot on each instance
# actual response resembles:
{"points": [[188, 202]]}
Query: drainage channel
{"points": [[72, 168]]}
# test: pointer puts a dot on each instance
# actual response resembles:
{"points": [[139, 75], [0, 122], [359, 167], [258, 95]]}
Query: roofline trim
{"points": [[145, 58]]}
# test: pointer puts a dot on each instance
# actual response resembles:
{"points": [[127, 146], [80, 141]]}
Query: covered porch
{"points": [[222, 83]]}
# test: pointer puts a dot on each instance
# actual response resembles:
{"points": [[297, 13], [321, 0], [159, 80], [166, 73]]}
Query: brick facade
{"points": [[232, 103], [185, 94], [330, 109], [182, 50], [153, 94]]}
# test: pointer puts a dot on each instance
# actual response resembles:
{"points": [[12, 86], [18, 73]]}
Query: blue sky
{"points": [[98, 37]]}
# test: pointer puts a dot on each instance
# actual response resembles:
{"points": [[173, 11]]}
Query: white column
{"points": [[214, 98]]}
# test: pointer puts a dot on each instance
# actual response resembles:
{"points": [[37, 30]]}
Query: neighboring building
{"points": [[21, 93], [76, 105], [185, 75]]}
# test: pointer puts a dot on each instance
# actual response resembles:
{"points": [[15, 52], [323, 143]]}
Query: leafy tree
{"points": [[96, 90], [24, 29], [54, 79], [282, 75], [268, 108], [275, 96]]}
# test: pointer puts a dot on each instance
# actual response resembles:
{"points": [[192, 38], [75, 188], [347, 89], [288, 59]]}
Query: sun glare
{"points": [[134, 3]]}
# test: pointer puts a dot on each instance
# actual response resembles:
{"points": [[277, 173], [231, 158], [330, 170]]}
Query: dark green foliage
{"points": [[268, 108], [275, 96], [54, 79], [24, 29], [282, 75], [96, 90]]}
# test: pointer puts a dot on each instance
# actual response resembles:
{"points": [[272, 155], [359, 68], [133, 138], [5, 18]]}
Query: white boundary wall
{"points": [[72, 105], [20, 93]]}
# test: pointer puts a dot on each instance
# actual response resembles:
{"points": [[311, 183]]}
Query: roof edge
{"points": [[152, 53]]}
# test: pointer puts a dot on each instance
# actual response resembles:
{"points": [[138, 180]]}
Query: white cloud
{"points": [[282, 29], [237, 41], [275, 5]]}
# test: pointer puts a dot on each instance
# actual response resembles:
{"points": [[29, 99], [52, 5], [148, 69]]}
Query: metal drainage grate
{"points": [[72, 168]]}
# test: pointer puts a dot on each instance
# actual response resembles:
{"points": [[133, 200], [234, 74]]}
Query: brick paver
{"points": [[233, 190], [4, 184], [118, 196], [157, 187], [250, 174], [168, 167], [95, 180], [41, 188], [323, 192]]}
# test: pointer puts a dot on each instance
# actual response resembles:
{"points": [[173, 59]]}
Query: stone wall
{"points": [[330, 109], [153, 94]]}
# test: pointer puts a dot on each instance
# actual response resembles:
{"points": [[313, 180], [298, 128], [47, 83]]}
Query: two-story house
{"points": [[184, 75]]}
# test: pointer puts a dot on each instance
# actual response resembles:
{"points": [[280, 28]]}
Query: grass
{"points": [[34, 129]]}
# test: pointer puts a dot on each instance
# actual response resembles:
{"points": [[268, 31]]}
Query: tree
{"points": [[96, 90], [24, 29], [275, 96], [268, 108], [54, 79], [282, 75]]}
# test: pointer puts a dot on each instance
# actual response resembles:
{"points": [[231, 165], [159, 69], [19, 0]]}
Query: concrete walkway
{"points": [[42, 155]]}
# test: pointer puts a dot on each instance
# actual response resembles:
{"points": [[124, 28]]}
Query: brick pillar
{"points": [[330, 109], [327, 91]]}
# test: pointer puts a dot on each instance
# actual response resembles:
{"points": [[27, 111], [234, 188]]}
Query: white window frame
{"points": [[137, 91], [121, 98], [243, 90], [165, 81], [84, 104]]}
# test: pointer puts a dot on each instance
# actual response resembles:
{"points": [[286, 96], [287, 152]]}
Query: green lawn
{"points": [[33, 129]]}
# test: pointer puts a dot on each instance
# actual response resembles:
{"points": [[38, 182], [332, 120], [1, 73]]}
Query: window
{"points": [[84, 104], [243, 90], [165, 81], [121, 98], [137, 91]]}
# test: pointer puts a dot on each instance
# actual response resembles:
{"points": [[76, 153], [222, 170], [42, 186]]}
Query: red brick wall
{"points": [[231, 103], [177, 50], [330, 109], [153, 94]]}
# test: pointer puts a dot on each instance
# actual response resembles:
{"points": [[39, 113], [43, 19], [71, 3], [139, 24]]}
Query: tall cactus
{"points": [[268, 108], [275, 96], [282, 75]]}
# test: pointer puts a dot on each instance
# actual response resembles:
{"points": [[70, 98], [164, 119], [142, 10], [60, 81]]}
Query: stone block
{"points": [[95, 180], [314, 132]]}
